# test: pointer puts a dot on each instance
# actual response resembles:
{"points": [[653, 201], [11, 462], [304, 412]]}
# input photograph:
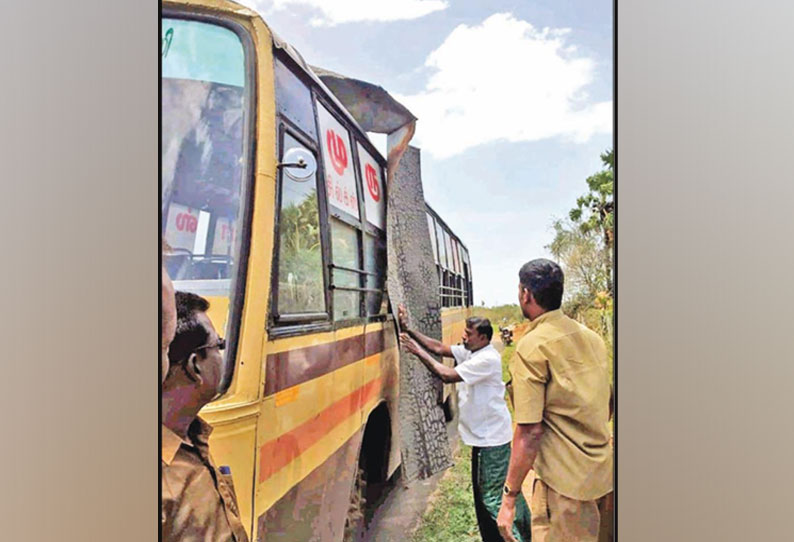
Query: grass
{"points": [[450, 516]]}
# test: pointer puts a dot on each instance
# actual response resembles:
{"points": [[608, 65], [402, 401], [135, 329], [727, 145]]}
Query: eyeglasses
{"points": [[220, 345]]}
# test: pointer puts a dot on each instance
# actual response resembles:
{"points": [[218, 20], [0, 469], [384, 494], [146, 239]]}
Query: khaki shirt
{"points": [[199, 504], [560, 378]]}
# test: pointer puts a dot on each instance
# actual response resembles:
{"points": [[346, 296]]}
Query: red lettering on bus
{"points": [[372, 182], [337, 151], [186, 222]]}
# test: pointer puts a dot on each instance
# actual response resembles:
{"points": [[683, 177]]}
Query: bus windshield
{"points": [[204, 156]]}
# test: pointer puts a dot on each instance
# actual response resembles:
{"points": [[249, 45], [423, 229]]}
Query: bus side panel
{"points": [[232, 443], [316, 508], [390, 369], [319, 389]]}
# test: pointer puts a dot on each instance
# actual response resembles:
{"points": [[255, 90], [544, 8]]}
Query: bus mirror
{"points": [[299, 164]]}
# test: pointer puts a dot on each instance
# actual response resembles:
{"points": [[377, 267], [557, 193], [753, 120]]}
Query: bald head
{"points": [[167, 320]]}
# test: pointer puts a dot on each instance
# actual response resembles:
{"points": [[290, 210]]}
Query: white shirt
{"points": [[484, 419]]}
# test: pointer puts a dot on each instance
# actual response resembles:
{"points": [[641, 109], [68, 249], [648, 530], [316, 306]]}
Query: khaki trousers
{"points": [[556, 518]]}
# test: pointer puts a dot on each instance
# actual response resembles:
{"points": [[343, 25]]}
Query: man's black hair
{"points": [[190, 333], [544, 279], [482, 325]]}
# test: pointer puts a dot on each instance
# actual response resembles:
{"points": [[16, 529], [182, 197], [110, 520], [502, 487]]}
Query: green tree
{"points": [[578, 251], [595, 212]]}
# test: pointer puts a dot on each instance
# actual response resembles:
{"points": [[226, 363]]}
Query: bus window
{"points": [[454, 243], [372, 179], [433, 241], [205, 160], [448, 250], [301, 288], [294, 99], [442, 251], [340, 179], [345, 250], [467, 276], [375, 262]]}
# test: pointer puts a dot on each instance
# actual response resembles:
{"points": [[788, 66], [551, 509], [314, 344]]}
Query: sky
{"points": [[513, 98]]}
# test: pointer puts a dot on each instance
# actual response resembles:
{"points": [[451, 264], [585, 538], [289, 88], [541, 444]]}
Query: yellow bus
{"points": [[273, 208]]}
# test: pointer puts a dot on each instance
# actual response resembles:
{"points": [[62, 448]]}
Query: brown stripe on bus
{"points": [[286, 369]]}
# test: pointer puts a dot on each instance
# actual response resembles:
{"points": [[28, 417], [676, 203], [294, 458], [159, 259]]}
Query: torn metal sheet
{"points": [[412, 281], [396, 143], [373, 108]]}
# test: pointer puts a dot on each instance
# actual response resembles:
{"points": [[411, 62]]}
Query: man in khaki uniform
{"points": [[562, 398], [198, 499]]}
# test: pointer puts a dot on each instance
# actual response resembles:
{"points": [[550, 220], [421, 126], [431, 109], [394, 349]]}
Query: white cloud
{"points": [[505, 80], [336, 12]]}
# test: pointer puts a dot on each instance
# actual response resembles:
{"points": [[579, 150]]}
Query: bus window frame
{"points": [[341, 215], [294, 325], [285, 126], [250, 102]]}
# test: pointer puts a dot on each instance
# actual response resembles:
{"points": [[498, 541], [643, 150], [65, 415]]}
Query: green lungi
{"points": [[488, 474]]}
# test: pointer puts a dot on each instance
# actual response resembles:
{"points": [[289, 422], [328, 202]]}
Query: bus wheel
{"points": [[354, 523]]}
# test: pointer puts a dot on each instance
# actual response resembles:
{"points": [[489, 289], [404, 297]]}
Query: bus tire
{"points": [[370, 480], [354, 523]]}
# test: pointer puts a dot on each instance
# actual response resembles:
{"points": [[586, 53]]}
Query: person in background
{"points": [[484, 420], [562, 397], [198, 499]]}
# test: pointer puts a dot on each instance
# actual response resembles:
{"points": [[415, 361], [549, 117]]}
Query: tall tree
{"points": [[595, 211], [578, 252]]}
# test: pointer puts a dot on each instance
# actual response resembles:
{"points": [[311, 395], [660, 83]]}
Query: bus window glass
{"points": [[448, 249], [442, 251], [204, 159], [432, 229], [345, 250], [340, 180], [294, 99], [300, 262], [372, 179], [375, 262], [455, 263]]}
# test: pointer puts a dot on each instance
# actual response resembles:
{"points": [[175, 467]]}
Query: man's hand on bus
{"points": [[433, 346], [409, 344], [446, 374]]}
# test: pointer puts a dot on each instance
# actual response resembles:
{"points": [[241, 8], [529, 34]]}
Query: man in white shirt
{"points": [[484, 421]]}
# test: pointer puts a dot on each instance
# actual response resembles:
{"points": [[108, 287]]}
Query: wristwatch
{"points": [[509, 492]]}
